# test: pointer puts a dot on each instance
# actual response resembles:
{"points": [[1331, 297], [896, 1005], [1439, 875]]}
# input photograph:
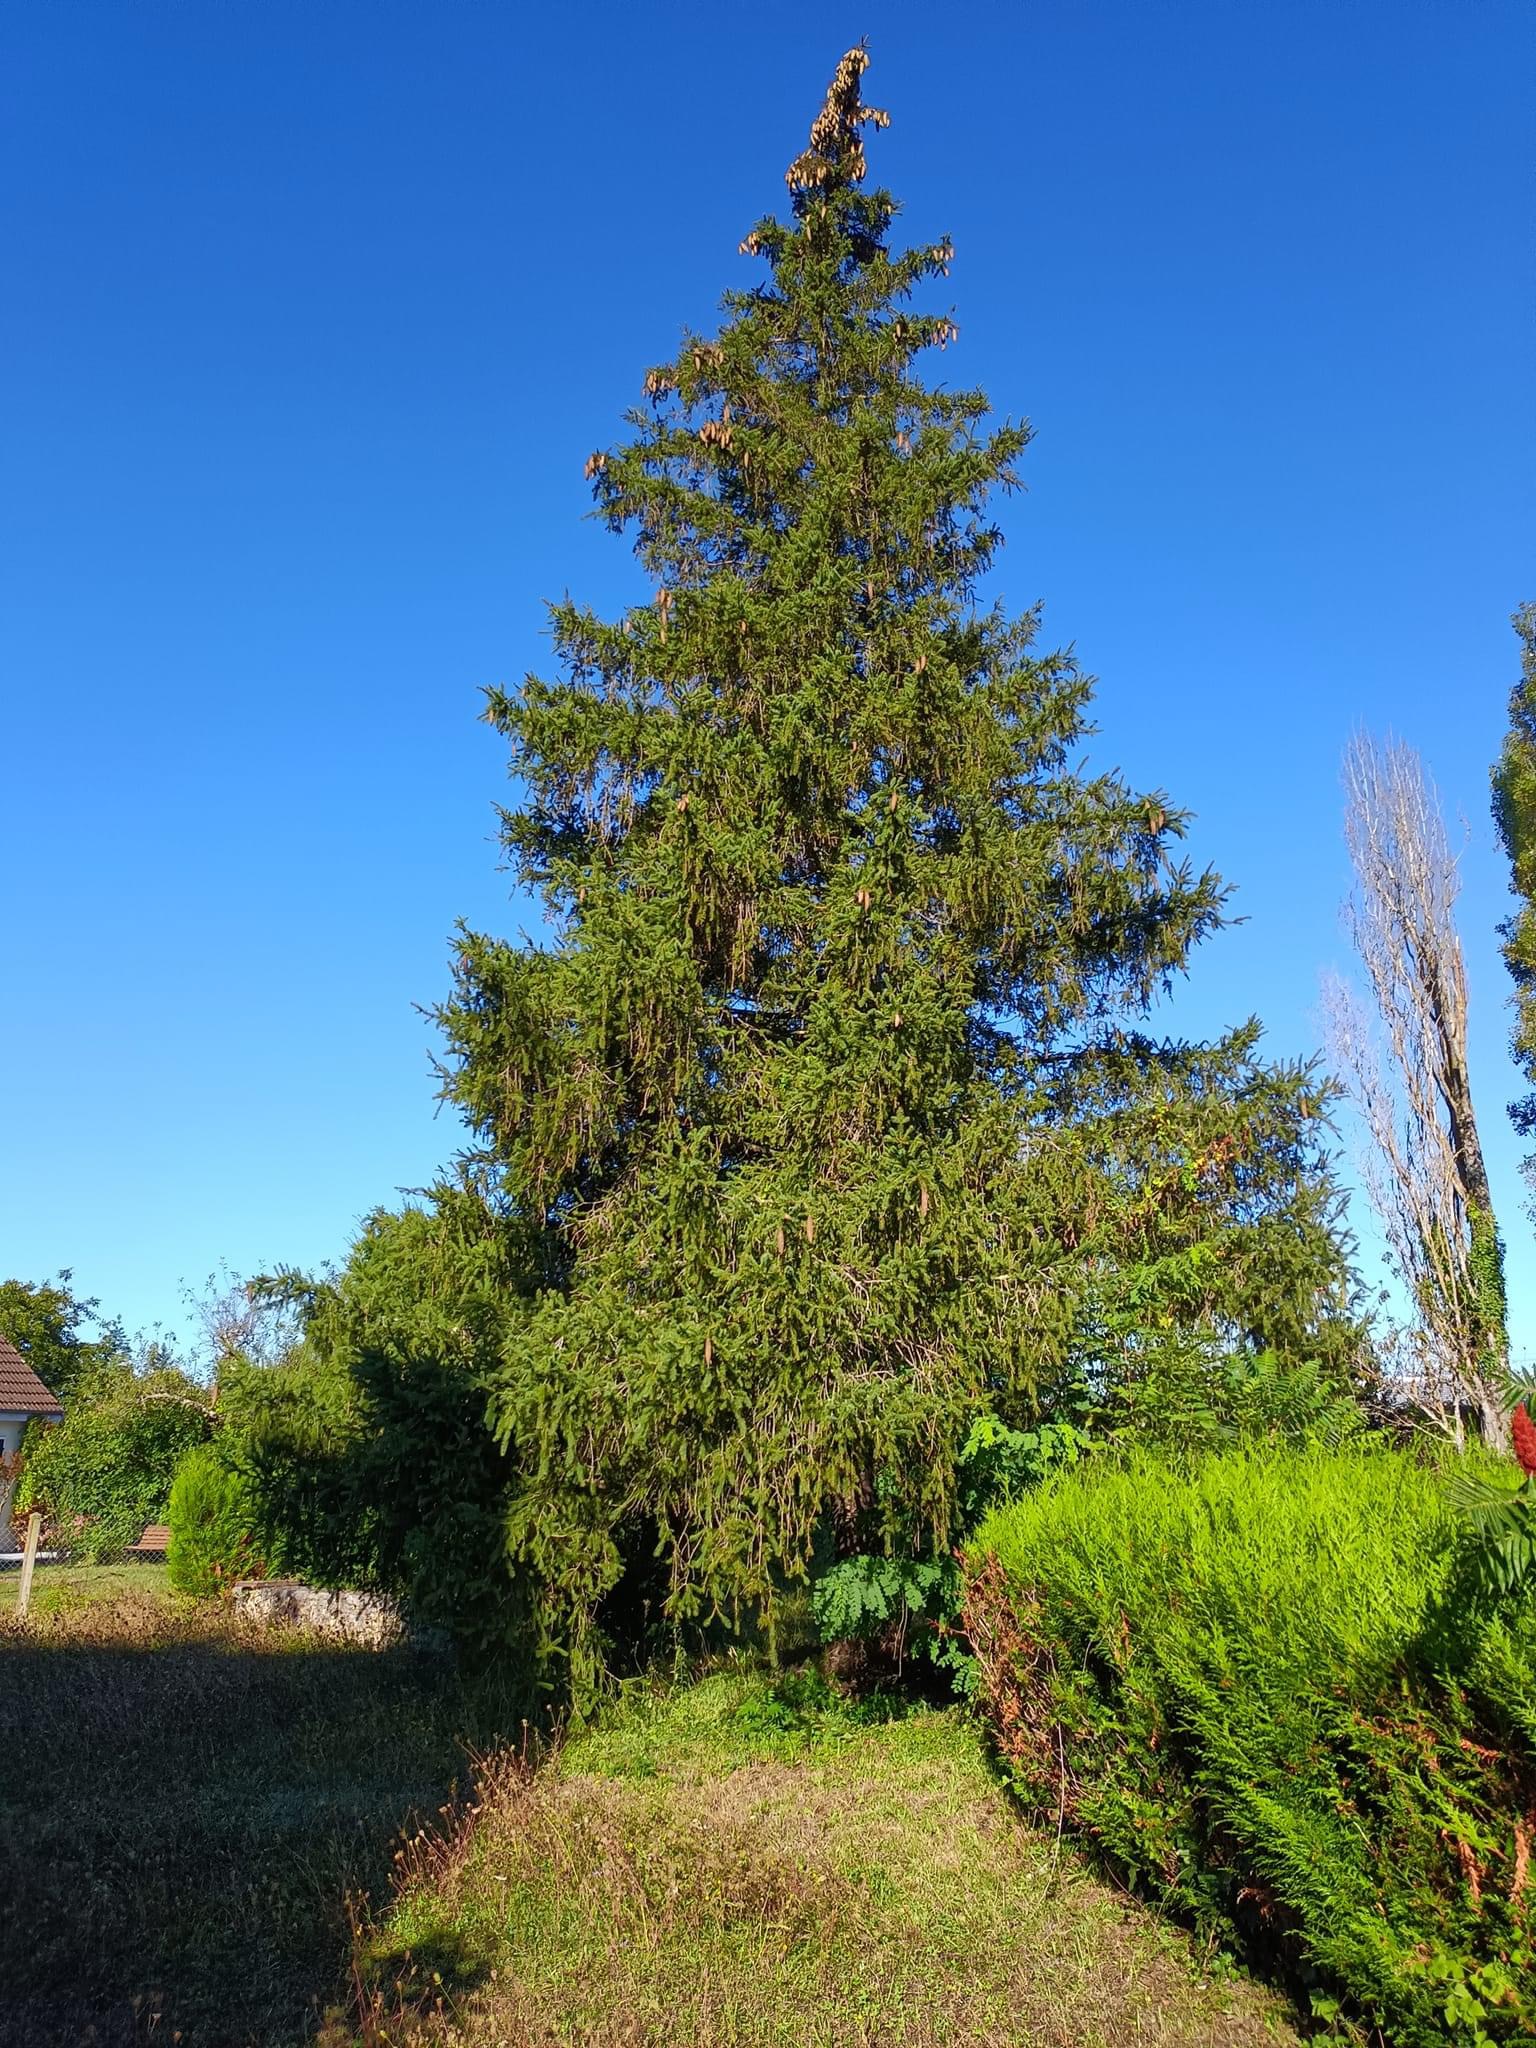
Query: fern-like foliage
{"points": [[1498, 1549], [912, 1603]]}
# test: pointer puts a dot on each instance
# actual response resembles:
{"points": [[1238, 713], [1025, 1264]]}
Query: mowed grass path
{"points": [[727, 1868]]}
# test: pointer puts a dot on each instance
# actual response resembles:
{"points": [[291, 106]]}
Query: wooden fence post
{"points": [[28, 1562]]}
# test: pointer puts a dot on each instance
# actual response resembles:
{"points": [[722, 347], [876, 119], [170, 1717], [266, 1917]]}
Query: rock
{"points": [[371, 1620]]}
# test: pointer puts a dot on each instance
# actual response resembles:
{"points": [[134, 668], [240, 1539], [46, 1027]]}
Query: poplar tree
{"points": [[824, 1099], [1514, 813]]}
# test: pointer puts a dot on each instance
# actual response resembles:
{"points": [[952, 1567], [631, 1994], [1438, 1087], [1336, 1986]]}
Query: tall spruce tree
{"points": [[824, 1098]]}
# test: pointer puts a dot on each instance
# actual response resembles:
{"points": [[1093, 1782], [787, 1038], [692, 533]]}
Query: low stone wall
{"points": [[368, 1619]]}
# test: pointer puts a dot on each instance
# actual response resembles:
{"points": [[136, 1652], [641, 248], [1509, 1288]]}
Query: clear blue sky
{"points": [[312, 314]]}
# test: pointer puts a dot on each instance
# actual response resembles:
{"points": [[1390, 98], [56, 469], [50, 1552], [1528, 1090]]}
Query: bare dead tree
{"points": [[1403, 1059], [253, 1321]]}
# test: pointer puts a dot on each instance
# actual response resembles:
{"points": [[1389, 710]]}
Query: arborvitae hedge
{"points": [[1257, 1688], [212, 1515]]}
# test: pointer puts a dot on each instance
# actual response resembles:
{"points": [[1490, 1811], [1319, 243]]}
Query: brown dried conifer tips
{"points": [[835, 153]]}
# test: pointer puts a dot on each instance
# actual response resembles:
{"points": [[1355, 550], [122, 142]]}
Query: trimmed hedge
{"points": [[1252, 1686]]}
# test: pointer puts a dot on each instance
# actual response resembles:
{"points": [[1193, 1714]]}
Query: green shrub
{"points": [[910, 1604], [211, 1517], [1187, 1395], [106, 1469], [1251, 1684], [367, 1449]]}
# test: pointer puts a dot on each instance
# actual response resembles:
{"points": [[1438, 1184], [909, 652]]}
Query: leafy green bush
{"points": [[106, 1469], [367, 1451], [1253, 1686], [911, 1604], [212, 1515]]}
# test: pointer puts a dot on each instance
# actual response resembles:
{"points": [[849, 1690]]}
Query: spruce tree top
{"points": [[814, 765]]}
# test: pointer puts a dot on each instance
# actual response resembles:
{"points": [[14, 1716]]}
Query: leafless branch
{"points": [[1404, 1061]]}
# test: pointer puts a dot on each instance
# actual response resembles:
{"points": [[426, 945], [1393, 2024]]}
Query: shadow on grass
{"points": [[186, 1809]]}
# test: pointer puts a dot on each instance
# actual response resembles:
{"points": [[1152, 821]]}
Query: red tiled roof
{"points": [[21, 1391]]}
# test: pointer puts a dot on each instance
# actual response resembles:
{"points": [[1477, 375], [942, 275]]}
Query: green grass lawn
{"points": [[190, 1805], [186, 1805], [56, 1585], [735, 1867]]}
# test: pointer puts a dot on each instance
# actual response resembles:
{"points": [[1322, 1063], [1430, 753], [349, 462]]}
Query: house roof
{"points": [[21, 1391]]}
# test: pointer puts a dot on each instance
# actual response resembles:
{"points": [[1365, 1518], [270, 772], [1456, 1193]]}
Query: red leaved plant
{"points": [[1524, 1432]]}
